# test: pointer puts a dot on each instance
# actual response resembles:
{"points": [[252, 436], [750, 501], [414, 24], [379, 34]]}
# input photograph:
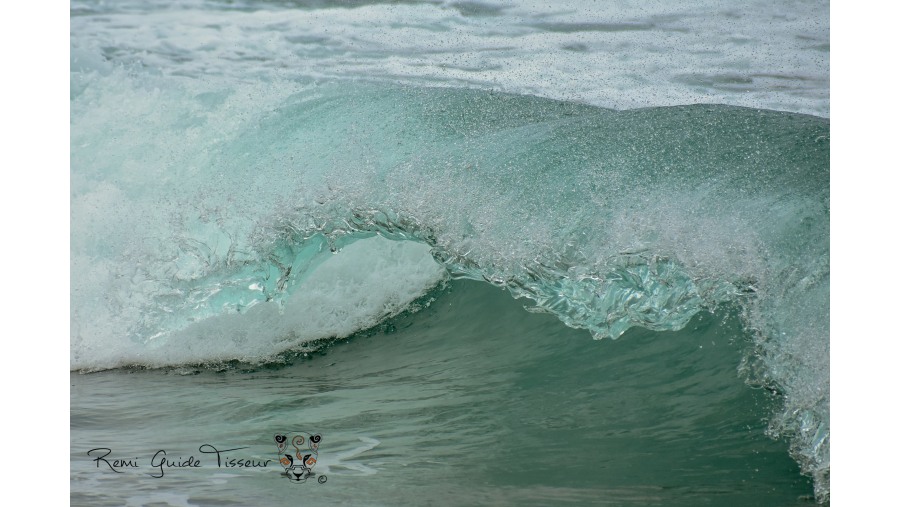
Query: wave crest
{"points": [[204, 230]]}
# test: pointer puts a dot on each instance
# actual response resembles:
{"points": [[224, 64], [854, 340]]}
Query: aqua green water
{"points": [[469, 401], [251, 180], [210, 229]]}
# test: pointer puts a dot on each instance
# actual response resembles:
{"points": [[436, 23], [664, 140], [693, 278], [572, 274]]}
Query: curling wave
{"points": [[236, 223]]}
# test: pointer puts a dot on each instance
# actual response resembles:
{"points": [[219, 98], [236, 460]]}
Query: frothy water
{"points": [[249, 180], [623, 54]]}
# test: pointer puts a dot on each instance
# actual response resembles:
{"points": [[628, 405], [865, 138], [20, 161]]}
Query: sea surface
{"points": [[449, 253]]}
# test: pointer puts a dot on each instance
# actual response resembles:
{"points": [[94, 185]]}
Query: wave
{"points": [[214, 223]]}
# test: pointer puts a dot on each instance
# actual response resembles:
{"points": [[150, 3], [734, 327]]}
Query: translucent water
{"points": [[250, 179]]}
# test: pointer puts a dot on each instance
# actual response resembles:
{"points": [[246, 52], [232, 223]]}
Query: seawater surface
{"points": [[470, 401], [327, 217]]}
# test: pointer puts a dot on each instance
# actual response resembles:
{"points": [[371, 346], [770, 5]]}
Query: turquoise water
{"points": [[478, 286], [471, 400]]}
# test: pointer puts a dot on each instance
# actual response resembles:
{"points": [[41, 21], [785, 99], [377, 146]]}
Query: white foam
{"points": [[355, 289], [621, 54]]}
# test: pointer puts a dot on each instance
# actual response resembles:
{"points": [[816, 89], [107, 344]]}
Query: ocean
{"points": [[449, 253]]}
